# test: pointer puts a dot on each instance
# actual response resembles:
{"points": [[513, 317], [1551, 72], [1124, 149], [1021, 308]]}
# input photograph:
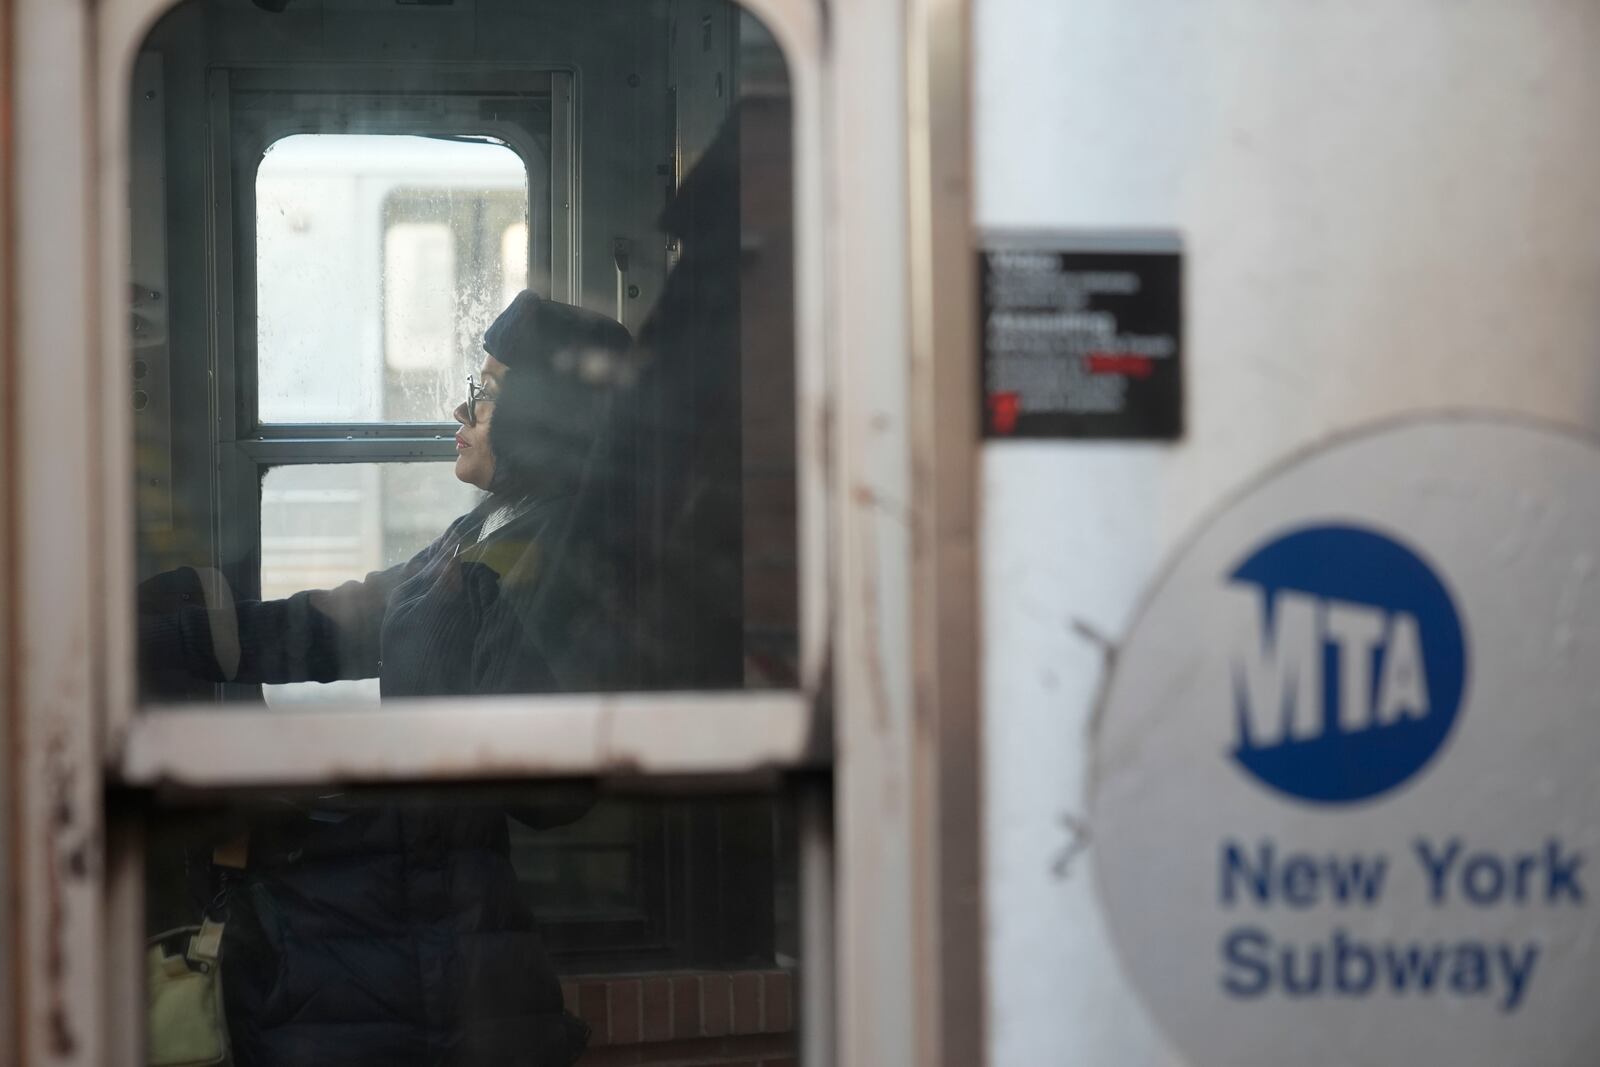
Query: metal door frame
{"points": [[888, 439]]}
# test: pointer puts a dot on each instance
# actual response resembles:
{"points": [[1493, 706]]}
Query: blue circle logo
{"points": [[1351, 666]]}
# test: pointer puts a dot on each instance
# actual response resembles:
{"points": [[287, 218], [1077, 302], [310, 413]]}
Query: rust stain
{"points": [[872, 653], [867, 497], [60, 823], [922, 490], [824, 441]]}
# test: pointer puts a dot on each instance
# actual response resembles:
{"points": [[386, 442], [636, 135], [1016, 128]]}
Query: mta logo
{"points": [[1351, 666]]}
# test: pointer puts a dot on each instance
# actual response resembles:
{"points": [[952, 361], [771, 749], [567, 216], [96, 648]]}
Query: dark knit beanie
{"points": [[535, 331], [552, 405]]}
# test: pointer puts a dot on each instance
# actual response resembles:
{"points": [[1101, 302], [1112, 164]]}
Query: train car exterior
{"points": [[906, 765], [136, 132]]}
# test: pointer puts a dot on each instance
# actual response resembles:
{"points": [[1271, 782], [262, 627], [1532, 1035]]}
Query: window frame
{"points": [[244, 126], [246, 447], [256, 446], [868, 603], [236, 97]]}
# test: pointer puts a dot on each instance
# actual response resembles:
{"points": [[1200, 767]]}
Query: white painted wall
{"points": [[1388, 206]]}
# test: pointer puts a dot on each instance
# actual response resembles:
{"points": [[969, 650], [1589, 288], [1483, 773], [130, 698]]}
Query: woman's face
{"points": [[474, 460]]}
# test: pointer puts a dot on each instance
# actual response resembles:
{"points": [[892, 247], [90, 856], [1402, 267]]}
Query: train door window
{"points": [[570, 574], [776, 528], [327, 300]]}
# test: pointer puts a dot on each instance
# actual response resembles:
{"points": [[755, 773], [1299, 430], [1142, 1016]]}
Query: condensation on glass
{"points": [[321, 248], [424, 238]]}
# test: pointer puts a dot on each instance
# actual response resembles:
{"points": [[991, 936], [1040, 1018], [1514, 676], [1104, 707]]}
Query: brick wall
{"points": [[704, 1019]]}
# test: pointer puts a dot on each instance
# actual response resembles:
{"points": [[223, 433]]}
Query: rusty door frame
{"points": [[945, 432], [57, 516], [888, 614], [10, 767]]}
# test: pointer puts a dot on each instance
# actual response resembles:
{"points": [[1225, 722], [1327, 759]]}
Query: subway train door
{"points": [[489, 534]]}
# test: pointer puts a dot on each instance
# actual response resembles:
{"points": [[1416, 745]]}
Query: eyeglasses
{"points": [[476, 394]]}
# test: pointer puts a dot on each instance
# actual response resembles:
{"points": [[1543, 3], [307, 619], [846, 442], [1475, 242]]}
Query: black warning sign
{"points": [[1082, 337]]}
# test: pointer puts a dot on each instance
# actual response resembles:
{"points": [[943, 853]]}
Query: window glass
{"points": [[486, 921], [324, 524], [611, 260], [379, 261], [588, 208]]}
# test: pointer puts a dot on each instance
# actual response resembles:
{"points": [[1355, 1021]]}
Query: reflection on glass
{"points": [[617, 512], [322, 524], [354, 230], [535, 926], [620, 513]]}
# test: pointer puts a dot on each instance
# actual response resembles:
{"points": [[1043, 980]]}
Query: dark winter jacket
{"points": [[399, 935], [527, 610], [388, 936]]}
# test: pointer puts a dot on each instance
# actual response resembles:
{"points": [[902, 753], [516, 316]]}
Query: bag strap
{"points": [[230, 856], [234, 854]]}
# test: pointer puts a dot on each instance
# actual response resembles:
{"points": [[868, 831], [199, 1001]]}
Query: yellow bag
{"points": [[187, 1025]]}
